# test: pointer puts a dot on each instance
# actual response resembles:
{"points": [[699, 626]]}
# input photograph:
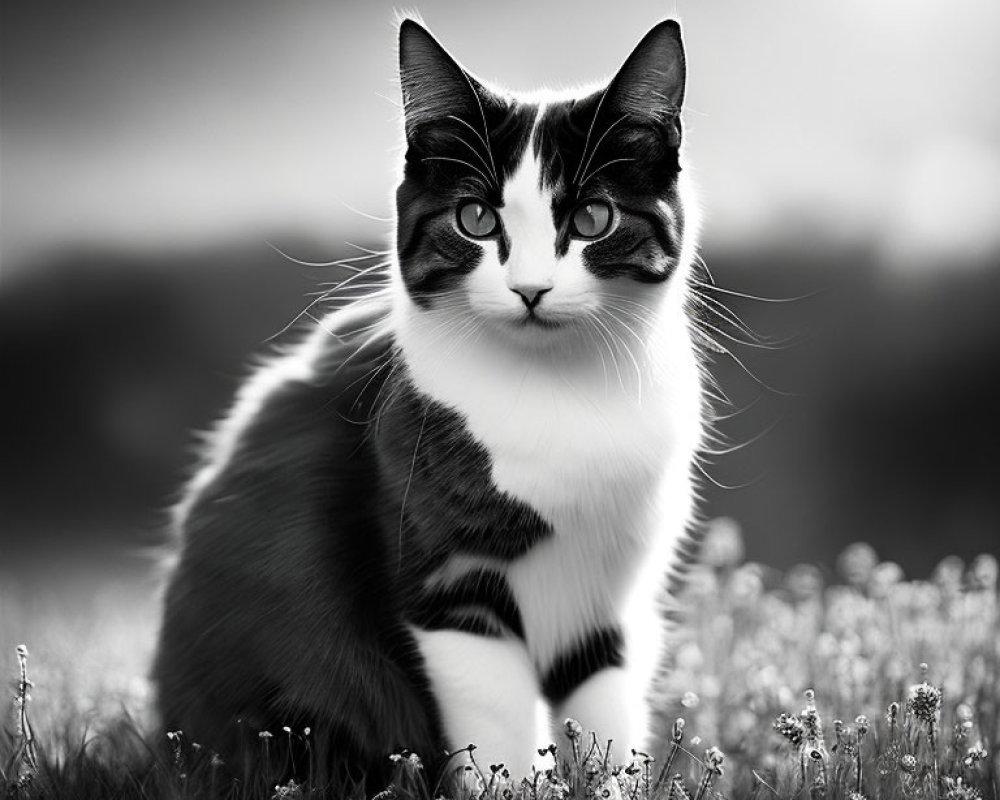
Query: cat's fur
{"points": [[462, 494]]}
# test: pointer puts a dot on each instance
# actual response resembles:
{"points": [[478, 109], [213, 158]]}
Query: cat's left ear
{"points": [[650, 84], [434, 85]]}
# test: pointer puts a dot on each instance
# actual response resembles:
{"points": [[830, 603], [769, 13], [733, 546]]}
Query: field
{"points": [[779, 686]]}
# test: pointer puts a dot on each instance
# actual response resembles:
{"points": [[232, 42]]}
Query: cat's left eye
{"points": [[477, 219], [591, 219]]}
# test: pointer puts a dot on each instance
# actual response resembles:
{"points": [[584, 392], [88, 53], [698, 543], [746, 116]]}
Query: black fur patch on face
{"points": [[586, 154], [448, 161], [599, 649]]}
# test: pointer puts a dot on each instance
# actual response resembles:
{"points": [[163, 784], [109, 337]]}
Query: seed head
{"points": [[975, 754], [791, 727], [924, 702], [908, 763], [714, 758], [958, 789]]}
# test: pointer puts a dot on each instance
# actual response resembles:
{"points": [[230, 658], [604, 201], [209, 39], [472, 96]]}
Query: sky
{"points": [[167, 125]]}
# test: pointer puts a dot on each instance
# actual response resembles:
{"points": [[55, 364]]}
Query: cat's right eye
{"points": [[478, 220]]}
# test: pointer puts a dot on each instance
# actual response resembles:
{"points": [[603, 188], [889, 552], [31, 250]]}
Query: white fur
{"points": [[488, 695], [596, 440], [606, 705]]}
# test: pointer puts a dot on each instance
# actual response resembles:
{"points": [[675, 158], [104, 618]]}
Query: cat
{"points": [[458, 500]]}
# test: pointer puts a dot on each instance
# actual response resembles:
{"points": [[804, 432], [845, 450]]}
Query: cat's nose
{"points": [[531, 296]]}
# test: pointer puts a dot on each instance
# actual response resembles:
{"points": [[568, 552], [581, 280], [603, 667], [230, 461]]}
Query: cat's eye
{"points": [[591, 219], [477, 219]]}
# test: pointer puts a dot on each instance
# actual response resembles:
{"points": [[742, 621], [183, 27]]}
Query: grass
{"points": [[779, 687]]}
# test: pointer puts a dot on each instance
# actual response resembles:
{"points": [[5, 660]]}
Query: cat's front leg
{"points": [[591, 683], [487, 694]]}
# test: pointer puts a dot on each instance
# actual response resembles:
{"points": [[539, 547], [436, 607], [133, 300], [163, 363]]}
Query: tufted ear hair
{"points": [[650, 84], [434, 85]]}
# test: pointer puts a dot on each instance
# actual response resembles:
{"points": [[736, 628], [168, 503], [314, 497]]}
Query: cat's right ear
{"points": [[434, 85]]}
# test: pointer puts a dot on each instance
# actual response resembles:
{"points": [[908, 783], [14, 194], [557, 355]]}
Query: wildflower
{"points": [[722, 546], [892, 716], [714, 758], [975, 754], [984, 572], [924, 702], [791, 728], [677, 789], [574, 730], [884, 577], [290, 791], [610, 789], [689, 700], [957, 789], [838, 732], [811, 722], [862, 724], [746, 584], [804, 582], [908, 763], [948, 574], [857, 562]]}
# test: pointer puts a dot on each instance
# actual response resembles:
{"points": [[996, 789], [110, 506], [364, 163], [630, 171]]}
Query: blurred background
{"points": [[848, 151]]}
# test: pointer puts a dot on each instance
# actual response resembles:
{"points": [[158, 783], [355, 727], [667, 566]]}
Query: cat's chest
{"points": [[563, 448]]}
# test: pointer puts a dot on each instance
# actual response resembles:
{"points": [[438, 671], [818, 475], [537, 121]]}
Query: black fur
{"points": [[599, 650], [481, 602]]}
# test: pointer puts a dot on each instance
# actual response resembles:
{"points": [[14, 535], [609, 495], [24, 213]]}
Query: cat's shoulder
{"points": [[324, 385]]}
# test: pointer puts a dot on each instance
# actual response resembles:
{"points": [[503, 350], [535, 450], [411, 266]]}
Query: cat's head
{"points": [[543, 220]]}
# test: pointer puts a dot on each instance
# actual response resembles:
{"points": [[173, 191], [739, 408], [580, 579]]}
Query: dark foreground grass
{"points": [[875, 688]]}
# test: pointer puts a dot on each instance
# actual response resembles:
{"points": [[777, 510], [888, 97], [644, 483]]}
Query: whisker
{"points": [[482, 117], [726, 314], [597, 146], [614, 360], [409, 480], [590, 130], [733, 414], [340, 262], [363, 249], [737, 447], [606, 164], [758, 381], [462, 161], [474, 152], [745, 296], [724, 486], [737, 340], [364, 214]]}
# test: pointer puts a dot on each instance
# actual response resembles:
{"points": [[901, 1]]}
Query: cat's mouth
{"points": [[534, 320]]}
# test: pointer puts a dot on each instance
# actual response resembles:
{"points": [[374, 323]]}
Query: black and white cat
{"points": [[456, 503]]}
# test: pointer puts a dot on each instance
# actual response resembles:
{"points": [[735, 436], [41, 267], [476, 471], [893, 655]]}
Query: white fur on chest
{"points": [[610, 473]]}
